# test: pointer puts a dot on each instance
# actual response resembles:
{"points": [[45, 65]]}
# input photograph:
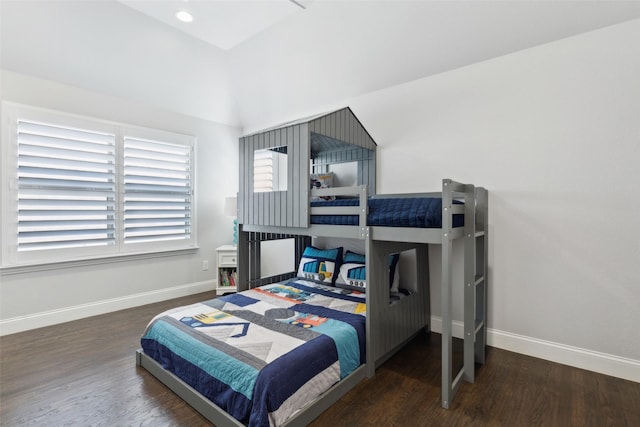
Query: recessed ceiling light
{"points": [[184, 16]]}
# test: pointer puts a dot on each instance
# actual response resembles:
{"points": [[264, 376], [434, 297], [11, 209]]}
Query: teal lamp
{"points": [[231, 209]]}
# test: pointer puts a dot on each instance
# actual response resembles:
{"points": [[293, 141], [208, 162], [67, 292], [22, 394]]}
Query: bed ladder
{"points": [[475, 209]]}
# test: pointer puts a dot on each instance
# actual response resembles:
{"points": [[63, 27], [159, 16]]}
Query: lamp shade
{"points": [[231, 206]]}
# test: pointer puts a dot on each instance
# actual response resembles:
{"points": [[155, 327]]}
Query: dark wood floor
{"points": [[83, 373]]}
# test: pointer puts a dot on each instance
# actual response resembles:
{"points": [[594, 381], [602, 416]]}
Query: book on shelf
{"points": [[228, 278]]}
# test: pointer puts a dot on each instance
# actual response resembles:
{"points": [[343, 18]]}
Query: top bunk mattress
{"points": [[412, 212]]}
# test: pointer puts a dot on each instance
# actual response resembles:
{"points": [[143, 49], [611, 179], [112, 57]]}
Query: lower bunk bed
{"points": [[264, 354], [224, 356]]}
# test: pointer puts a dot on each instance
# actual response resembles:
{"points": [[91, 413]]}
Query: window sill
{"points": [[31, 268]]}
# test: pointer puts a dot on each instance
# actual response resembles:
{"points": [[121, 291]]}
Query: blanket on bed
{"points": [[416, 212], [265, 353]]}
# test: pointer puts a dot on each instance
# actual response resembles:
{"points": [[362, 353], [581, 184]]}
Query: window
{"points": [[270, 169], [157, 191], [77, 188]]}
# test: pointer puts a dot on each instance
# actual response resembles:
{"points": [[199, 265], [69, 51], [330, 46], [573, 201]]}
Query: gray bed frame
{"points": [[312, 145]]}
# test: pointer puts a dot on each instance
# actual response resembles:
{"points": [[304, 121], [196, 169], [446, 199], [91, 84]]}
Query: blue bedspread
{"points": [[264, 353], [417, 212]]}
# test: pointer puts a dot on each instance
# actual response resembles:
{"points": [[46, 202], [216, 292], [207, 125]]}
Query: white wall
{"points": [[553, 133], [31, 299], [107, 47], [335, 50], [103, 60]]}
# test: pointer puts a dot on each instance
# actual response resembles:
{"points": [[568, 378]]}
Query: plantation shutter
{"points": [[65, 187], [157, 191], [263, 171]]}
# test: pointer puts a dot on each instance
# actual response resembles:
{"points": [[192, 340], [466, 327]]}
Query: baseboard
{"points": [[67, 314], [603, 363]]}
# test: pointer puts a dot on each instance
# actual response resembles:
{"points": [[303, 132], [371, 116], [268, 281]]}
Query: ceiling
{"points": [[271, 61], [222, 23]]}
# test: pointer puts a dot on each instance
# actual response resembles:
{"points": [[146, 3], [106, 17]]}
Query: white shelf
{"points": [[226, 263]]}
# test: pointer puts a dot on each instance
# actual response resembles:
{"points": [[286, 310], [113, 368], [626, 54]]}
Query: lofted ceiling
{"points": [[222, 23], [252, 63]]}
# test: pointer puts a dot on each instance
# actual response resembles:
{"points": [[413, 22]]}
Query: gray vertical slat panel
{"points": [[340, 125], [248, 186], [334, 125], [255, 252], [302, 179], [274, 208], [255, 219], [280, 214], [302, 157], [244, 191], [293, 208], [324, 125], [257, 145], [255, 196], [357, 138], [242, 168], [264, 200], [372, 174], [274, 202], [248, 195], [248, 211], [352, 128], [241, 179], [291, 147], [249, 198], [243, 259], [264, 196], [346, 124], [355, 127]]}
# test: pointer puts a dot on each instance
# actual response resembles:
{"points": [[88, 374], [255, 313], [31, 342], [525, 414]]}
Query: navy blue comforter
{"points": [[417, 212]]}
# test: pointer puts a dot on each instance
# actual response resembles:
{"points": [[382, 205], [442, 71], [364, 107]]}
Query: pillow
{"points": [[352, 274], [320, 265], [322, 180]]}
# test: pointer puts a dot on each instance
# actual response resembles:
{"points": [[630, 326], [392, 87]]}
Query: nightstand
{"points": [[227, 266]]}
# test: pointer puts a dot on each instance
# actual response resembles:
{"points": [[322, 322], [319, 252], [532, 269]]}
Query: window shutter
{"points": [[157, 191], [65, 187], [263, 171]]}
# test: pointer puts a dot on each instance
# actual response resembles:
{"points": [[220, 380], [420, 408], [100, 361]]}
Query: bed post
{"points": [[446, 294], [243, 259], [372, 300], [481, 243], [469, 281]]}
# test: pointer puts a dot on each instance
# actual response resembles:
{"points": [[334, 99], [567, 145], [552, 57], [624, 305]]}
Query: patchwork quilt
{"points": [[263, 354]]}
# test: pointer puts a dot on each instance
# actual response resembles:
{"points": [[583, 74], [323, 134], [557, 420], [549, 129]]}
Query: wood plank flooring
{"points": [[83, 373]]}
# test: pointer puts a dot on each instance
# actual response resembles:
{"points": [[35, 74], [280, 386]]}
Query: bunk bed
{"points": [[299, 203]]}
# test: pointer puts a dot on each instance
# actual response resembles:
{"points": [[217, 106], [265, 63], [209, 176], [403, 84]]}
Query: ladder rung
{"points": [[479, 233], [479, 325], [479, 279]]}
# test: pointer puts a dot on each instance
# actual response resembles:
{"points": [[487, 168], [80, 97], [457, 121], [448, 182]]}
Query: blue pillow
{"points": [[320, 265]]}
